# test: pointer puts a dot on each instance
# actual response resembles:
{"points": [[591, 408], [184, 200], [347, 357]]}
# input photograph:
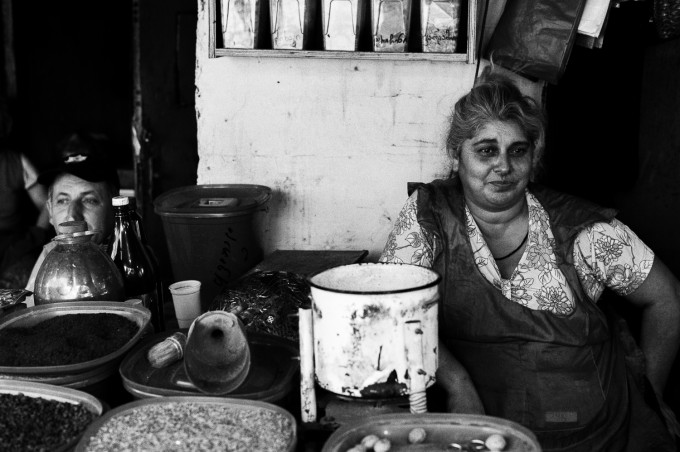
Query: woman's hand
{"points": [[461, 394]]}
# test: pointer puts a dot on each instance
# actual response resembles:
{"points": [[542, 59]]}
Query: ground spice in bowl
{"points": [[38, 424], [65, 339]]}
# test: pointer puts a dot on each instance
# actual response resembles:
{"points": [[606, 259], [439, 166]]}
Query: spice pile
{"points": [[37, 424], [182, 426], [65, 339]]}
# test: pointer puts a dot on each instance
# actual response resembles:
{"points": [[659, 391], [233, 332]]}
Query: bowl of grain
{"points": [[192, 423]]}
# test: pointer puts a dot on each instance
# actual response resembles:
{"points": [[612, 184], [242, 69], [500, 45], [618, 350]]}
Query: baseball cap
{"points": [[83, 156]]}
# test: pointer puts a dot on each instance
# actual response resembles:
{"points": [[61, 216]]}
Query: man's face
{"points": [[75, 199]]}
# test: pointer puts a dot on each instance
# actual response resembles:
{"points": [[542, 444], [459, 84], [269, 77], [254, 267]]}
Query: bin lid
{"points": [[202, 201]]}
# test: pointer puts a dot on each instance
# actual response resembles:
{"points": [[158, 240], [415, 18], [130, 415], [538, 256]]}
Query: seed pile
{"points": [[182, 426], [37, 424], [65, 339]]}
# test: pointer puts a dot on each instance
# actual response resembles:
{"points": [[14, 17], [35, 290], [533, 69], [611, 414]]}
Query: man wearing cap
{"points": [[80, 189]]}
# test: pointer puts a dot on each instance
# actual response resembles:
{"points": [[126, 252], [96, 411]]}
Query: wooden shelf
{"points": [[468, 57], [269, 53]]}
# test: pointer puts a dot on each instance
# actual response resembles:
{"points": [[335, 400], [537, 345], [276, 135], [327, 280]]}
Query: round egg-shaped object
{"points": [[417, 435], [382, 445], [369, 441], [495, 442]]}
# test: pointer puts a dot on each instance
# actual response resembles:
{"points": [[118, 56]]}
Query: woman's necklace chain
{"points": [[515, 250]]}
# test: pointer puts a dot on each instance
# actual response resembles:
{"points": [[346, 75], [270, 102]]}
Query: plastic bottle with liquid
{"points": [[134, 263]]}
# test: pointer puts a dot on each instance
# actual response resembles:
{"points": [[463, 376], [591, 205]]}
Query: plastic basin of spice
{"points": [[53, 393], [192, 423], [80, 374], [273, 368], [443, 432]]}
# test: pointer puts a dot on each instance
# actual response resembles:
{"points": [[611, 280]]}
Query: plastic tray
{"points": [[74, 373], [442, 431], [274, 363], [129, 408], [56, 393]]}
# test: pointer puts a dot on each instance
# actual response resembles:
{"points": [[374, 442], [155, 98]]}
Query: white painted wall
{"points": [[336, 140]]}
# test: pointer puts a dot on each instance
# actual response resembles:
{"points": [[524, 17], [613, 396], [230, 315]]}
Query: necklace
{"points": [[515, 250]]}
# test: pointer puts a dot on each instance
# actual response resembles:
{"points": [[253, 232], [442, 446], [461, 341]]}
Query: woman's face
{"points": [[494, 166]]}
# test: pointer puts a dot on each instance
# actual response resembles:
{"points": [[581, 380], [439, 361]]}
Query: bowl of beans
{"points": [[192, 423], [432, 432], [42, 417], [69, 344]]}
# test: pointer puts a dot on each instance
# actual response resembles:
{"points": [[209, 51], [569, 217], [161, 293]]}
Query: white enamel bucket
{"points": [[371, 323]]}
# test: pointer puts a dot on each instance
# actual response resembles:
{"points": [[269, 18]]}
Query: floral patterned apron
{"points": [[562, 376]]}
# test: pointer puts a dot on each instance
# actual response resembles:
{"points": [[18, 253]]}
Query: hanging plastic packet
{"points": [[440, 22], [288, 18], [390, 19], [341, 19], [240, 23]]}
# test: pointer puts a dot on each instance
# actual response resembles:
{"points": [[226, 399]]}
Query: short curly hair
{"points": [[496, 97]]}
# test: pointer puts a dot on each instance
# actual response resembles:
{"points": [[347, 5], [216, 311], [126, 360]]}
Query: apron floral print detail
{"points": [[536, 282], [605, 255], [408, 243], [611, 256]]}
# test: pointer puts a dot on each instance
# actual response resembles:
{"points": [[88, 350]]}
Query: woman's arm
{"points": [[461, 393], [659, 298], [408, 243]]}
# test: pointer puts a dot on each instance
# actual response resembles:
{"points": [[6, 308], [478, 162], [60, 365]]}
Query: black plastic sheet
{"points": [[266, 302], [535, 37]]}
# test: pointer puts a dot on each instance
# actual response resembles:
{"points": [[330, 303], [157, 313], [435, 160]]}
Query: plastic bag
{"points": [[266, 302], [667, 18], [535, 37]]}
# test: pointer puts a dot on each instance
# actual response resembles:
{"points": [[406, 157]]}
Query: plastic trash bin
{"points": [[209, 233]]}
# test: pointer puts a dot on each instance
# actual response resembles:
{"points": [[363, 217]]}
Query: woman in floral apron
{"points": [[523, 267]]}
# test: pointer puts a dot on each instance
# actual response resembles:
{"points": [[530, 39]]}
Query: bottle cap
{"points": [[69, 227], [120, 201]]}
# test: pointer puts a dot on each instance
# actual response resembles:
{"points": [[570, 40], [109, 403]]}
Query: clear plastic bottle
{"points": [[136, 267], [77, 269]]}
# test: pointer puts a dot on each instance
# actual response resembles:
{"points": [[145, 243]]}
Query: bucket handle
{"points": [[307, 381], [413, 345]]}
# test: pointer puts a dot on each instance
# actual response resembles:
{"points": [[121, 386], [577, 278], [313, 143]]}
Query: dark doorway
{"points": [[120, 68], [73, 71]]}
